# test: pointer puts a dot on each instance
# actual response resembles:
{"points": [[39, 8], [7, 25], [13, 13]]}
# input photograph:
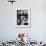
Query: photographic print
{"points": [[23, 18]]}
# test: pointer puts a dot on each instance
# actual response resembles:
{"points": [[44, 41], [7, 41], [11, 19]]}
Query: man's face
{"points": [[23, 18]]}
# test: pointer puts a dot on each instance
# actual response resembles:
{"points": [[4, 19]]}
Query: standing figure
{"points": [[21, 36]]}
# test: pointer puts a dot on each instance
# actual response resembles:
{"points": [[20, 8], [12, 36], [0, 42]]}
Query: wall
{"points": [[8, 28]]}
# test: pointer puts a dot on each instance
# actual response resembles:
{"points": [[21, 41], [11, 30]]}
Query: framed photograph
{"points": [[23, 18]]}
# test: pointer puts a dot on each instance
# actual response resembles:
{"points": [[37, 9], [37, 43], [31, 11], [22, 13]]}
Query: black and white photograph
{"points": [[23, 18]]}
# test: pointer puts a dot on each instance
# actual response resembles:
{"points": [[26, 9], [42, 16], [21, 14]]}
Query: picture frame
{"points": [[23, 17]]}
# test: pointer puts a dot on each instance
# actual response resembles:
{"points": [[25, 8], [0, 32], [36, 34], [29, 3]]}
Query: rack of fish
{"points": [[17, 43]]}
